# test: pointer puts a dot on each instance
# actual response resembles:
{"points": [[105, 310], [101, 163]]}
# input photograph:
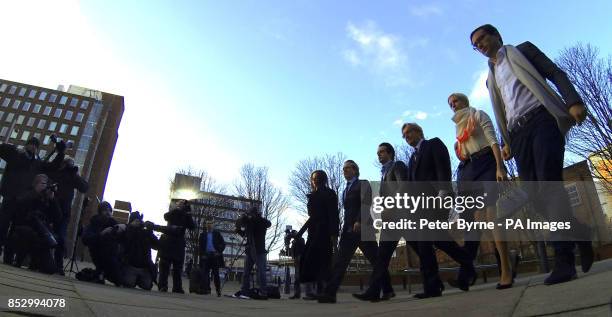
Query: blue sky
{"points": [[216, 84]]}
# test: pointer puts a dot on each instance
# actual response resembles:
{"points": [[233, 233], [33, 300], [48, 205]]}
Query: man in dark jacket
{"points": [[68, 179], [101, 238], [137, 241], [253, 227], [357, 199], [21, 167], [295, 252], [37, 214], [212, 246], [172, 246]]}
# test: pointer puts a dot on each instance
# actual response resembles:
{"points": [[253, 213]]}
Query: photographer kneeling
{"points": [[136, 241], [37, 214], [101, 238]]}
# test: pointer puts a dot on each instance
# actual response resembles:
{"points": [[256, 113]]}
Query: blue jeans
{"points": [[261, 272]]}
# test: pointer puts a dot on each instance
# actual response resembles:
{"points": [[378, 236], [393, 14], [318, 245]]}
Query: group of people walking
{"points": [[532, 119]]}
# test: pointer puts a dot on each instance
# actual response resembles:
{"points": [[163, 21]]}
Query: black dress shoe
{"points": [[387, 296], [427, 295], [465, 277], [328, 299], [558, 276], [586, 255], [310, 297], [367, 297], [295, 297], [504, 286]]}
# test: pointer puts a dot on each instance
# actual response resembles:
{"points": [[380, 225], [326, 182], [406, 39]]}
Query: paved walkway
{"points": [[589, 295]]}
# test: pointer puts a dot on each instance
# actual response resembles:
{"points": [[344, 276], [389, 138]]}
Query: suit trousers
{"points": [[349, 242]]}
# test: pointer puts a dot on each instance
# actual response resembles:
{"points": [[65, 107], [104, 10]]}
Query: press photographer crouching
{"points": [[295, 252], [253, 227], [172, 245], [101, 238], [37, 214], [136, 242]]}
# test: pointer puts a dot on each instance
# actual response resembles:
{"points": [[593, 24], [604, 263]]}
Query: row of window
{"points": [[40, 124], [26, 135], [42, 96], [47, 111]]}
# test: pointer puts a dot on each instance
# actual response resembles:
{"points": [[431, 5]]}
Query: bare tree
{"points": [[199, 214], [254, 183], [592, 77], [299, 180]]}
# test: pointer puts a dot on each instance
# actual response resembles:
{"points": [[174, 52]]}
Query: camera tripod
{"points": [[73, 263]]}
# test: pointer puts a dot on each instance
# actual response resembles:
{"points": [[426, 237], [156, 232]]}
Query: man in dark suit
{"points": [[393, 177], [429, 171], [533, 121], [357, 199], [212, 246]]}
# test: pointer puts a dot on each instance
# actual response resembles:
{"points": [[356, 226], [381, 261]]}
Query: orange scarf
{"points": [[465, 135]]}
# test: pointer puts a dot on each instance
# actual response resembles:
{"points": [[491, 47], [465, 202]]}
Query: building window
{"points": [[14, 134], [85, 104], [31, 122], [32, 93], [3, 131], [79, 117], [47, 139], [574, 195], [63, 128], [73, 102], [68, 115], [25, 135], [20, 119], [53, 98], [3, 87], [12, 90], [37, 108], [9, 117], [58, 113], [22, 91], [52, 126], [16, 104], [1, 114], [26, 106], [75, 130], [41, 124], [37, 135], [6, 102], [47, 111], [43, 95], [63, 100], [42, 153]]}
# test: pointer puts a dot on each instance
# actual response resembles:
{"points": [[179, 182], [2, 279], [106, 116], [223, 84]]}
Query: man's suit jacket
{"points": [[430, 172], [357, 201], [218, 244], [532, 67], [393, 179]]}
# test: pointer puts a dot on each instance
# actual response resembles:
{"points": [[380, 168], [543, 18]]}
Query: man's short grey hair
{"points": [[415, 126]]}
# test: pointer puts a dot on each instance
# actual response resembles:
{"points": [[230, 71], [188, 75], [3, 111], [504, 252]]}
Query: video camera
{"points": [[54, 139]]}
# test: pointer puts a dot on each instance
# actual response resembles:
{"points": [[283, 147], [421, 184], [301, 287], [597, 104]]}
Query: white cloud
{"points": [[398, 122], [379, 48], [420, 115], [480, 93], [351, 57], [426, 10]]}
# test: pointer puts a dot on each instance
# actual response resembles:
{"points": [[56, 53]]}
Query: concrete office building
{"points": [[88, 118]]}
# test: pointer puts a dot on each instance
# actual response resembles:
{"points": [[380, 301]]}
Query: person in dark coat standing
{"points": [[21, 167], [68, 179], [253, 227], [323, 226], [212, 246], [172, 246], [295, 251]]}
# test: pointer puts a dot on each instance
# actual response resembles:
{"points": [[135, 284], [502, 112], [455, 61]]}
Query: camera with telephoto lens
{"points": [[54, 139]]}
